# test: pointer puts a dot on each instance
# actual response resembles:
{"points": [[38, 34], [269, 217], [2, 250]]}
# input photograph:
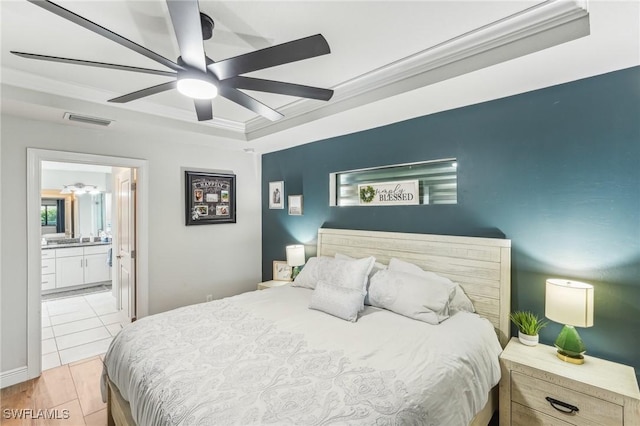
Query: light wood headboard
{"points": [[482, 266]]}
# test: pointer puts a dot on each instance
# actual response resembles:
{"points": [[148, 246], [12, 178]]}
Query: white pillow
{"points": [[459, 300], [411, 295], [308, 276], [353, 274], [341, 302], [377, 266]]}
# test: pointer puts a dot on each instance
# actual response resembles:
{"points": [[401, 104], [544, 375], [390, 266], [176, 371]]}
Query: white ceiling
{"points": [[390, 60]]}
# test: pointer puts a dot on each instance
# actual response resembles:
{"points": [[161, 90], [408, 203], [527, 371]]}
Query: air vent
{"points": [[86, 119]]}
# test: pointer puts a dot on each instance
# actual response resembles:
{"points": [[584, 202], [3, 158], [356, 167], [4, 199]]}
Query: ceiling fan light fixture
{"points": [[197, 88]]}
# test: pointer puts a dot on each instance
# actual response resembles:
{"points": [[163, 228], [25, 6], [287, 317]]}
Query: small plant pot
{"points": [[525, 339]]}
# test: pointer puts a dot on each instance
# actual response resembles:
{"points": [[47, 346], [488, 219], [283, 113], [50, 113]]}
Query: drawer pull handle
{"points": [[563, 407]]}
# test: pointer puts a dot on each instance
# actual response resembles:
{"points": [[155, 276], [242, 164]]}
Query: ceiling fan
{"points": [[194, 74]]}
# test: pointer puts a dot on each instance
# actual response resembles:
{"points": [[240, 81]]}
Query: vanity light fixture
{"points": [[79, 189]]}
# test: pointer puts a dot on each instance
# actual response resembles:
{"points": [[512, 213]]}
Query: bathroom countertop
{"points": [[67, 245]]}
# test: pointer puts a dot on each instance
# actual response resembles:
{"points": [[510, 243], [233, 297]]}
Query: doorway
{"points": [[71, 328], [80, 311]]}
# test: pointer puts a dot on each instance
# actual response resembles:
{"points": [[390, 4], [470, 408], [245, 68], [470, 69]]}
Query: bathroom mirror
{"points": [[56, 213], [72, 216]]}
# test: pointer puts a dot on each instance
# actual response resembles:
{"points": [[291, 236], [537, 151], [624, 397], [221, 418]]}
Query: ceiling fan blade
{"points": [[92, 26], [93, 64], [248, 102], [144, 92], [285, 53], [204, 109], [280, 87], [185, 16]]}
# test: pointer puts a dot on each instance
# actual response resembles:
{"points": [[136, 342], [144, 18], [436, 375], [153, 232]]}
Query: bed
{"points": [[264, 358]]}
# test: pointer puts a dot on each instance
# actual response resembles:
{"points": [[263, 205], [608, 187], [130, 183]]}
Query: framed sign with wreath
{"points": [[209, 198]]}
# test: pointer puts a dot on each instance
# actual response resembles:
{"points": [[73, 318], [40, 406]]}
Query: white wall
{"points": [[185, 263], [57, 179]]}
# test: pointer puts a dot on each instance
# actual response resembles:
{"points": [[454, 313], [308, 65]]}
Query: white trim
{"points": [[12, 377], [34, 160], [544, 25]]}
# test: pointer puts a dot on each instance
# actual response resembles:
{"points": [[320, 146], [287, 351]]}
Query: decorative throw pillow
{"points": [[411, 295], [341, 302], [459, 300], [308, 276], [353, 274], [377, 266]]}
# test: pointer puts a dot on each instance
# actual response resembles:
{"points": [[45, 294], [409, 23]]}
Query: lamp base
{"points": [[295, 270], [570, 345], [573, 360]]}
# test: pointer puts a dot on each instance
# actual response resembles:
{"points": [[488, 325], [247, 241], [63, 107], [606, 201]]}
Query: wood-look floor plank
{"points": [[99, 418], [53, 387], [68, 414], [86, 377], [82, 361]]}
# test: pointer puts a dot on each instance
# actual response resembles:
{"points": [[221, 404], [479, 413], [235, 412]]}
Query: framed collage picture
{"points": [[209, 198]]}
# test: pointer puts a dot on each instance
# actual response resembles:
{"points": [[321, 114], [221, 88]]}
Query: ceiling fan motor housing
{"points": [[207, 26]]}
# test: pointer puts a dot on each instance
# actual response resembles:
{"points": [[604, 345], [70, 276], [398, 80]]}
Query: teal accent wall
{"points": [[556, 170]]}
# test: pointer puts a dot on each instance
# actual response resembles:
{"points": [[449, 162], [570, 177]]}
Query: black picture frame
{"points": [[210, 198]]}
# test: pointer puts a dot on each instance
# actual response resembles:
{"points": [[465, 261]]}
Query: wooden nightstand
{"points": [[273, 283], [603, 392]]}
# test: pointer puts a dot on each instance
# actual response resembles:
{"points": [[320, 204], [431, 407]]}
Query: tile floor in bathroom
{"points": [[76, 328]]}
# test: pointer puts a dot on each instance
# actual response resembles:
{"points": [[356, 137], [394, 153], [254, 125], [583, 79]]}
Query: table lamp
{"points": [[295, 258], [569, 303]]}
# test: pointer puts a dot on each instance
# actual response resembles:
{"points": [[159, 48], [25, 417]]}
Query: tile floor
{"points": [[76, 328], [74, 387]]}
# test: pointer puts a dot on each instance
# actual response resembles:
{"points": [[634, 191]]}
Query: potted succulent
{"points": [[529, 326]]}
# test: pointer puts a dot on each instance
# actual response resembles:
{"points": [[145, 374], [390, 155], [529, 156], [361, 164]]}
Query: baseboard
{"points": [[12, 377]]}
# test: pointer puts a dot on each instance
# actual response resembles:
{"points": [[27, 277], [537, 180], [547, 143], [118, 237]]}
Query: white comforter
{"points": [[265, 358]]}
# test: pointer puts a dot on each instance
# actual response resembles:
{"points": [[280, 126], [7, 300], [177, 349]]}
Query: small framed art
{"points": [[281, 270], [209, 198], [276, 195], [295, 205]]}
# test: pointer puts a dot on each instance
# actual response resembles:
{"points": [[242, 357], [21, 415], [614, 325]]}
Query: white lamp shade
{"points": [[295, 255], [569, 302]]}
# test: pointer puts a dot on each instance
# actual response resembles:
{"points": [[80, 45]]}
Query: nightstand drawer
{"points": [[521, 415], [532, 392]]}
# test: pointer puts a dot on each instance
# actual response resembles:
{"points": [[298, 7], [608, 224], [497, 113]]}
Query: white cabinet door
{"points": [[69, 271], [96, 268]]}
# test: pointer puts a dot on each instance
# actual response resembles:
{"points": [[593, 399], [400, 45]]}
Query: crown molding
{"points": [[539, 27], [545, 25]]}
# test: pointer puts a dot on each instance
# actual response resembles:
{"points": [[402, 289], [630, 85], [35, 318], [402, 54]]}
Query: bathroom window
{"points": [[49, 215]]}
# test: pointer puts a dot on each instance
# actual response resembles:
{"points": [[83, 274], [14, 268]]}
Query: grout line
{"points": [[87, 343], [57, 352]]}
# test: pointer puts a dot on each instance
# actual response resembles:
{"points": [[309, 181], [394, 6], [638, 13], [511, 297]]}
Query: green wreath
{"points": [[367, 193]]}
